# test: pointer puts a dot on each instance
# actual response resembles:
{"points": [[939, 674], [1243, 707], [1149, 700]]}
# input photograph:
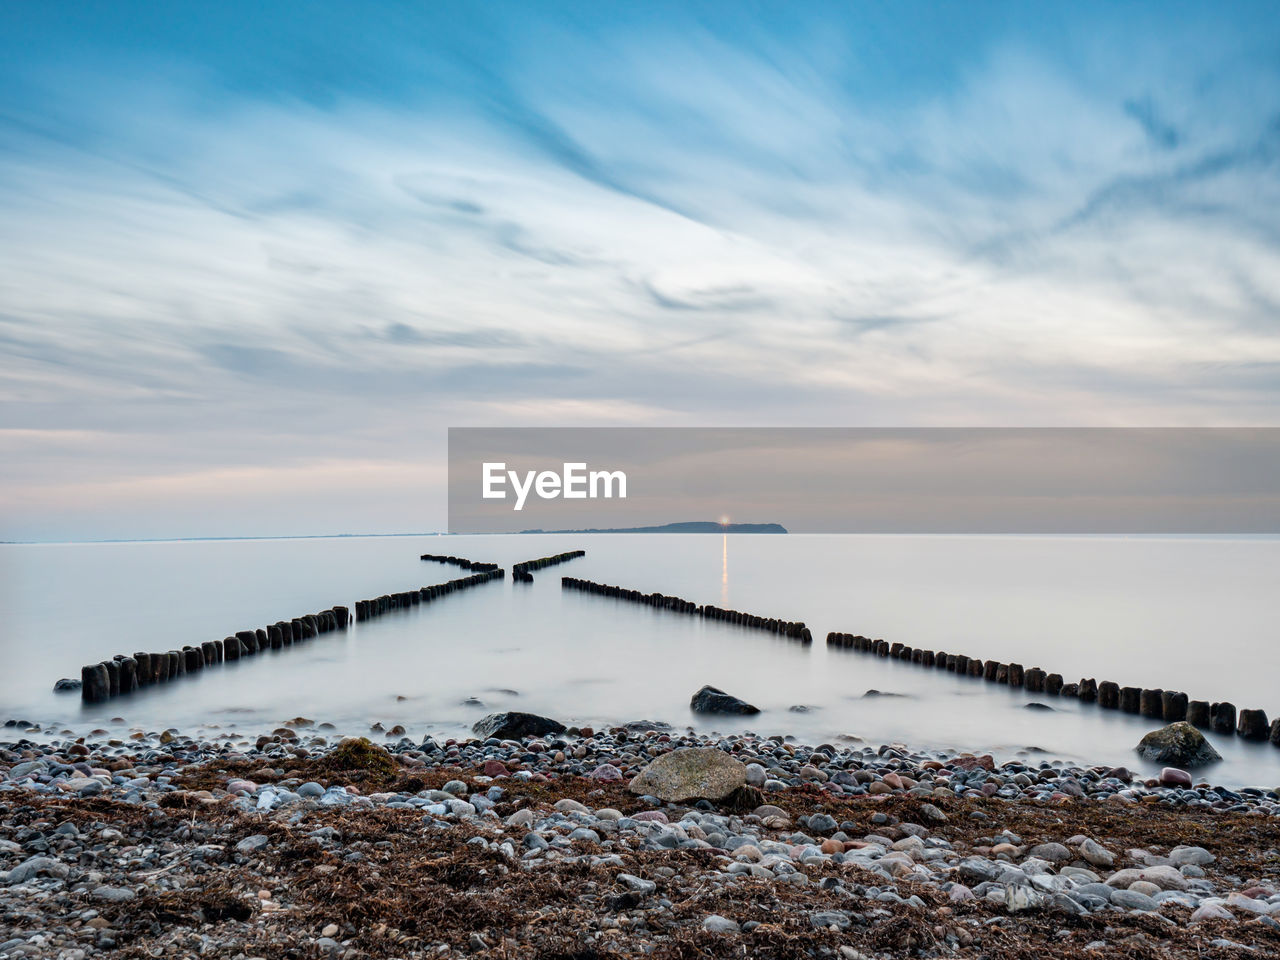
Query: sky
{"points": [[256, 258]]}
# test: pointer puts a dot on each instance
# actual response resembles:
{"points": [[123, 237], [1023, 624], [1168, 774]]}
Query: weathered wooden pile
{"points": [[520, 572], [794, 630], [1155, 703], [124, 674], [369, 609], [463, 562]]}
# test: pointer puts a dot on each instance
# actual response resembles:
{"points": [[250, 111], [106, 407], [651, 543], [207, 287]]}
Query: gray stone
{"points": [[1053, 852], [1211, 911], [1096, 854], [114, 894], [1180, 744], [514, 725], [1018, 899], [637, 884], [38, 866], [691, 773], [714, 700], [718, 924], [825, 919], [1198, 856], [253, 843], [1132, 900]]}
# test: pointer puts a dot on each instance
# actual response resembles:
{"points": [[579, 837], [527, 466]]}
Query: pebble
{"points": [[718, 924]]}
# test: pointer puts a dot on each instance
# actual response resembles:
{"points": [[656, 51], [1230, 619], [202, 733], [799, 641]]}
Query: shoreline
{"points": [[239, 729], [537, 847]]}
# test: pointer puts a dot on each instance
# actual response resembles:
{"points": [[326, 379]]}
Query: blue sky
{"points": [[255, 258]]}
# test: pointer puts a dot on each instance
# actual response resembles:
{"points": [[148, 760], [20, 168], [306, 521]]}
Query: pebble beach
{"points": [[632, 841]]}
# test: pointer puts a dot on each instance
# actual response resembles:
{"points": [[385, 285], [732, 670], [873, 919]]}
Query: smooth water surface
{"points": [[1191, 614]]}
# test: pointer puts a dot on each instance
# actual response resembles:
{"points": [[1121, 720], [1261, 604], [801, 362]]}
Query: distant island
{"points": [[689, 526]]}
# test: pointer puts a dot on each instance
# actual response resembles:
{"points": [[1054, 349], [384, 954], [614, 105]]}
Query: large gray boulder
{"points": [[1180, 744], [714, 700], [690, 773], [515, 725]]}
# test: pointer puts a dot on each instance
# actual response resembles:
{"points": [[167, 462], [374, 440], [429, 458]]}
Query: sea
{"points": [[1197, 614]]}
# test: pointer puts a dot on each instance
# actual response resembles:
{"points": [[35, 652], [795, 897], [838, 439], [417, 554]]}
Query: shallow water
{"points": [[1190, 614]]}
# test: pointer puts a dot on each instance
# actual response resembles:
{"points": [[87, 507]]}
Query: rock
{"points": [[514, 725], [1248, 904], [932, 813], [637, 884], [38, 866], [606, 771], [113, 894], [1173, 777], [655, 815], [1018, 899], [691, 773], [976, 870], [1053, 852], [1211, 911], [66, 685], [1163, 876], [718, 924], [1132, 900], [253, 843], [1096, 854], [712, 700], [1178, 743], [826, 919], [1199, 856], [569, 805], [310, 790], [495, 768]]}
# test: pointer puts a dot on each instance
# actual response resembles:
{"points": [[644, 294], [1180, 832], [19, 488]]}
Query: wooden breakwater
{"points": [[124, 674], [476, 565], [371, 609], [794, 630], [1154, 703], [522, 572]]}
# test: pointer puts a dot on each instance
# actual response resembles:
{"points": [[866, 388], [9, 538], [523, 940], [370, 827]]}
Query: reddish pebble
{"points": [[1173, 777], [496, 768], [657, 815]]}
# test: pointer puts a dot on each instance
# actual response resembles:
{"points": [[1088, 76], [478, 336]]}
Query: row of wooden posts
{"points": [[520, 572], [123, 674], [794, 630], [369, 609], [463, 562], [1156, 704]]}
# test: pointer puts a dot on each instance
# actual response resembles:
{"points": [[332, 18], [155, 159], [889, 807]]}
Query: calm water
{"points": [[1192, 614]]}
